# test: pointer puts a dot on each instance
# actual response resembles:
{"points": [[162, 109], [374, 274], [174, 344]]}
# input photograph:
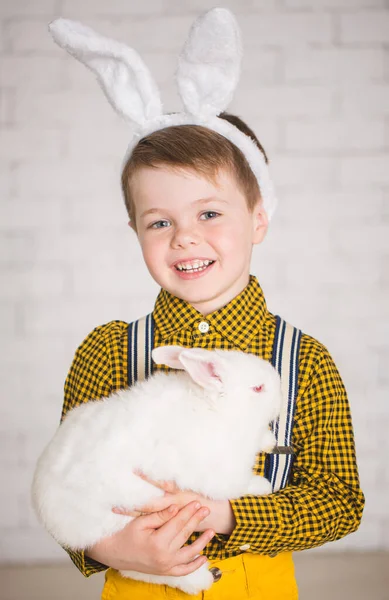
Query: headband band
{"points": [[207, 75]]}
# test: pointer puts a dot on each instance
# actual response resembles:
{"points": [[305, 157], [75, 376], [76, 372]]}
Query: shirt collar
{"points": [[238, 321]]}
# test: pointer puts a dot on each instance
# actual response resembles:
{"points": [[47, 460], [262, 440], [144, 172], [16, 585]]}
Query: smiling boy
{"points": [[199, 197], [185, 219], [197, 212]]}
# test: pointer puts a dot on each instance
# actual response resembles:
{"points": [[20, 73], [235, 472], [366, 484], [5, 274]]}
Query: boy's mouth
{"points": [[193, 268]]}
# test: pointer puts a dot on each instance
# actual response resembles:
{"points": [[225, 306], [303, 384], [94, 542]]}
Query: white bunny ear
{"points": [[168, 355], [209, 65], [205, 368], [123, 76]]}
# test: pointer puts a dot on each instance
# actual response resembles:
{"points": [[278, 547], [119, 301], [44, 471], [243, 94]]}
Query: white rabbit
{"points": [[225, 398]]}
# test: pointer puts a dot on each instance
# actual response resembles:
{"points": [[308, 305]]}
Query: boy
{"points": [[197, 209], [190, 207]]}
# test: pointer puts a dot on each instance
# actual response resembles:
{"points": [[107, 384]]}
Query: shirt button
{"points": [[244, 547], [216, 573], [203, 326]]}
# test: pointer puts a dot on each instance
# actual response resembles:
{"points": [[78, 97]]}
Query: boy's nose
{"points": [[185, 237]]}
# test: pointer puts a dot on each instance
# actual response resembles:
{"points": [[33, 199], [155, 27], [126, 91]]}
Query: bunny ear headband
{"points": [[207, 75]]}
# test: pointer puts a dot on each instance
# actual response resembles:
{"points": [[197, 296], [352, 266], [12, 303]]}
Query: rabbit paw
{"points": [[196, 582], [193, 584]]}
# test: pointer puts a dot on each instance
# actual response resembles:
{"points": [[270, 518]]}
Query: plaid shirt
{"points": [[323, 500]]}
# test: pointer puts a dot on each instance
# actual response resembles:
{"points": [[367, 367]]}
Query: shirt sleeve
{"points": [[89, 377], [323, 500]]}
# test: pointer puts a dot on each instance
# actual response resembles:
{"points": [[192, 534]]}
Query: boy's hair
{"points": [[197, 148]]}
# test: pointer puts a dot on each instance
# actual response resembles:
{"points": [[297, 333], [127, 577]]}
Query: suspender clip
{"points": [[282, 450]]}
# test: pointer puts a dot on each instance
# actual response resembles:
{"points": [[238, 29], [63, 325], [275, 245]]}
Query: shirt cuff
{"points": [[257, 526], [87, 566]]}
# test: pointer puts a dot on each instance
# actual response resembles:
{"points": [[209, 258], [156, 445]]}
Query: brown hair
{"points": [[197, 148]]}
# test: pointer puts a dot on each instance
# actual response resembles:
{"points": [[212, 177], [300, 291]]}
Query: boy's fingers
{"points": [[189, 526], [158, 519], [127, 513], [156, 505], [167, 486], [190, 567], [180, 528], [188, 553]]}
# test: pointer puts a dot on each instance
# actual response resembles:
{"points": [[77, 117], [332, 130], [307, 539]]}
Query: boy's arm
{"points": [[323, 501], [89, 378], [96, 372]]}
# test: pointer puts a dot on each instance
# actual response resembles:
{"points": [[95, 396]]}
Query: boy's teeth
{"points": [[197, 264]]}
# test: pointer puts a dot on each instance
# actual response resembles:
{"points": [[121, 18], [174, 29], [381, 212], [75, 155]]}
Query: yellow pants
{"points": [[244, 576]]}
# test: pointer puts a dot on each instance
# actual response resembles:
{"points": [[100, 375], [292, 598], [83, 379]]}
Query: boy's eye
{"points": [[210, 212], [160, 224], [154, 225]]}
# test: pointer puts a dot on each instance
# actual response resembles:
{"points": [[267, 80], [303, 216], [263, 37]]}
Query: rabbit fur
{"points": [[200, 426]]}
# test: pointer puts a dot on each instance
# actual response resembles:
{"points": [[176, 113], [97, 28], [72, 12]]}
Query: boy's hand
{"points": [[155, 543], [173, 495], [221, 518]]}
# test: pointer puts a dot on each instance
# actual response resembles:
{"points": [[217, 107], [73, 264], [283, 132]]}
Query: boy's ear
{"points": [[260, 222]]}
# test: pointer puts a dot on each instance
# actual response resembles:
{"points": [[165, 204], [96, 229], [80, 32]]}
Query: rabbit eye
{"points": [[258, 388]]}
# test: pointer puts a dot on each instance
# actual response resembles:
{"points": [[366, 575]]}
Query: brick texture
{"points": [[314, 86]]}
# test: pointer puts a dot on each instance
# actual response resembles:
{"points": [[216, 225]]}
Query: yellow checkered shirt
{"points": [[323, 500]]}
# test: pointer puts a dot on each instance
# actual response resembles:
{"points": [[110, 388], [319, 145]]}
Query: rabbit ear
{"points": [[209, 65], [204, 367], [123, 76], [168, 355]]}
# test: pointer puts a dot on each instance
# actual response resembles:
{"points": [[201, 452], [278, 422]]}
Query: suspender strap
{"points": [[140, 345], [285, 359]]}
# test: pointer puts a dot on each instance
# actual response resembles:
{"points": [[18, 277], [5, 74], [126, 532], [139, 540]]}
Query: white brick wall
{"points": [[314, 87]]}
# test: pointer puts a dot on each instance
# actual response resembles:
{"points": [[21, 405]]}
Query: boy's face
{"points": [[182, 217]]}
